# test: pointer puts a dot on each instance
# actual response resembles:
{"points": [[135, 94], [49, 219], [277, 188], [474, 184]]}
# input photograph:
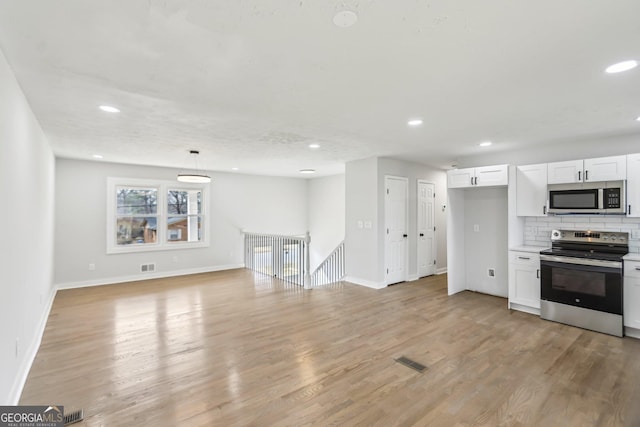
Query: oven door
{"points": [[587, 283]]}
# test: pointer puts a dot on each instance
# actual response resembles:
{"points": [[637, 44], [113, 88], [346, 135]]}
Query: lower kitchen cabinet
{"points": [[524, 281], [632, 298]]}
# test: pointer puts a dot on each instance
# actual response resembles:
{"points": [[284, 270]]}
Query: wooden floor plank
{"points": [[239, 348]]}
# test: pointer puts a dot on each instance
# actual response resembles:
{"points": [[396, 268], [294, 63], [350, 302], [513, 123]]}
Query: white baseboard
{"points": [[413, 278], [145, 276], [30, 354], [632, 332], [442, 270], [364, 282]]}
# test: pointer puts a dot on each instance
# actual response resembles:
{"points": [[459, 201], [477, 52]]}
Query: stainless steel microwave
{"points": [[588, 198]]}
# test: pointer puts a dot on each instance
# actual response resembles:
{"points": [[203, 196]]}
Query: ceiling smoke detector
{"points": [[345, 18]]}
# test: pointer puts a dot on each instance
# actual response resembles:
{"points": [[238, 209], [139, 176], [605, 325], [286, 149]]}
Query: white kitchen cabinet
{"points": [[524, 281], [461, 178], [606, 169], [633, 185], [565, 172], [485, 176], [612, 168], [632, 297], [531, 190]]}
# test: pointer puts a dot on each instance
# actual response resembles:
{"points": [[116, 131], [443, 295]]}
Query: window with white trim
{"points": [[148, 215]]}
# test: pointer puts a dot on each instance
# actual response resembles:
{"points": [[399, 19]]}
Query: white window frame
{"points": [[163, 187]]}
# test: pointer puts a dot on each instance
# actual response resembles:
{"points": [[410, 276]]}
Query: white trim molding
{"points": [[145, 276], [364, 282], [32, 351]]}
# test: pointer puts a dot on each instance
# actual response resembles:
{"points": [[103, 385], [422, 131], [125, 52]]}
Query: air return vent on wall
{"points": [[148, 268]]}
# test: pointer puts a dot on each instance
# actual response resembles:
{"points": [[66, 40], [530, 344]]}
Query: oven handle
{"points": [[581, 261]]}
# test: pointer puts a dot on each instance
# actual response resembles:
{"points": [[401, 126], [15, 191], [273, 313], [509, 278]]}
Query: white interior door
{"points": [[395, 229], [426, 229]]}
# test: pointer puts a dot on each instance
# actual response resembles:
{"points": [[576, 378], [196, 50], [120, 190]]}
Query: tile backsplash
{"points": [[537, 230]]}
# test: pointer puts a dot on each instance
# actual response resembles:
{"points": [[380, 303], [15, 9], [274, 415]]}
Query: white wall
{"points": [[237, 202], [326, 213], [415, 172], [486, 248], [361, 244], [27, 216], [555, 152], [365, 195]]}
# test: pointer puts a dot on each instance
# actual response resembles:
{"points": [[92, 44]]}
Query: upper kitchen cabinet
{"points": [[606, 169], [633, 185], [531, 190], [485, 176], [601, 169]]}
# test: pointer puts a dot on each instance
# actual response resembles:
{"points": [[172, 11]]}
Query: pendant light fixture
{"points": [[197, 176]]}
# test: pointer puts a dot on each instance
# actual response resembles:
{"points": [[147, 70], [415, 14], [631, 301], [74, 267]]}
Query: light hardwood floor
{"points": [[238, 348]]}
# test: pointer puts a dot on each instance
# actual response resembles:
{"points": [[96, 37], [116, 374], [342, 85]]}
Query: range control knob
{"points": [[605, 237], [613, 238]]}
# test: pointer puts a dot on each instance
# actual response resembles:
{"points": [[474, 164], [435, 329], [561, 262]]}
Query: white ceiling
{"points": [[251, 83]]}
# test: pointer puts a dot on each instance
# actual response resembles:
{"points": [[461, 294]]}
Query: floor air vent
{"points": [[73, 417], [411, 364]]}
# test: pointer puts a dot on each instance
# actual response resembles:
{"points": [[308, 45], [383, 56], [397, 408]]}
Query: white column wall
{"points": [[326, 216], [27, 218]]}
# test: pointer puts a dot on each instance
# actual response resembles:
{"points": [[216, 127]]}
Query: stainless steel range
{"points": [[581, 279]]}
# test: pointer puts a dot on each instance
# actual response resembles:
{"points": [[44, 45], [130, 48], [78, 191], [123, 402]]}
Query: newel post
{"points": [[307, 262]]}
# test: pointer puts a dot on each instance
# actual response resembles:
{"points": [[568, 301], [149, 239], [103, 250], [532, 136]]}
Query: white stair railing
{"points": [[284, 257], [331, 270]]}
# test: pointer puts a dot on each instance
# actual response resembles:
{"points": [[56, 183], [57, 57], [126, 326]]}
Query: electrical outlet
{"points": [[476, 227], [174, 259], [635, 234], [92, 267], [491, 272], [17, 347]]}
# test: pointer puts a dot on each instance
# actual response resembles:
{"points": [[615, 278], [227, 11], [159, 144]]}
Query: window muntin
{"points": [[136, 216], [149, 215], [184, 220]]}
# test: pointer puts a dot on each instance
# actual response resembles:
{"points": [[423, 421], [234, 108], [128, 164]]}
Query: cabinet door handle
{"points": [[629, 210], [544, 210], [638, 268], [404, 235], [526, 258], [579, 172], [586, 175], [471, 180], [537, 273], [476, 182], [421, 234]]}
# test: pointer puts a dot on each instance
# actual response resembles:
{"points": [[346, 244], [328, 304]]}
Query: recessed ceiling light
{"points": [[234, 169], [97, 156], [345, 18], [638, 119], [485, 144], [414, 122], [621, 66], [314, 146], [109, 109], [307, 171]]}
